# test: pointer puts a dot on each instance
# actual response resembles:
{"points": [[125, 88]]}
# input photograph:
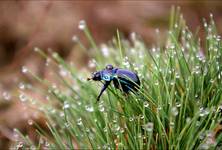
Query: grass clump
{"points": [[178, 105]]}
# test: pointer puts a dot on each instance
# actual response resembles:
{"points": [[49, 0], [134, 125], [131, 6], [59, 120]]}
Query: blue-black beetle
{"points": [[123, 79]]}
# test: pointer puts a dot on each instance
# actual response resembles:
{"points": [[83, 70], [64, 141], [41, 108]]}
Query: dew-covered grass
{"points": [[178, 105]]}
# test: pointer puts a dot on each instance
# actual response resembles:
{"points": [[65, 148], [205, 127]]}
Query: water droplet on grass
{"points": [[156, 83], [30, 122], [176, 26], [92, 63], [188, 119], [82, 24], [105, 129], [75, 38], [117, 127], [79, 121], [22, 97], [105, 50], [21, 85], [20, 145], [89, 108], [142, 117], [131, 119], [159, 108], [79, 103], [101, 108], [148, 126], [178, 104], [121, 130], [63, 72], [62, 114], [172, 83], [36, 49], [24, 69], [172, 124], [174, 111], [67, 125], [133, 36], [157, 31], [66, 106], [6, 95], [146, 104]]}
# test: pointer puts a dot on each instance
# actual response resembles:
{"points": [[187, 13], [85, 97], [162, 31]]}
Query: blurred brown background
{"points": [[52, 24]]}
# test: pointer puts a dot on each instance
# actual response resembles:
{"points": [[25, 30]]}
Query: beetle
{"points": [[123, 79]]}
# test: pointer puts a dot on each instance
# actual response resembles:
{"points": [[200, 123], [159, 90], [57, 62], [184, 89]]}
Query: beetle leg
{"points": [[103, 89]]}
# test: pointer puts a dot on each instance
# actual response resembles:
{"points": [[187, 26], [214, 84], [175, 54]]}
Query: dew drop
{"points": [[157, 31], [21, 86], [131, 119], [117, 127], [146, 104], [20, 145], [203, 112], [133, 36], [55, 55], [6, 95], [30, 122], [188, 119], [148, 126], [101, 108], [176, 26], [82, 24], [174, 111], [66, 106], [89, 108], [142, 117], [47, 62], [178, 104], [36, 49], [67, 125], [172, 83], [105, 50], [153, 49], [159, 108], [24, 69], [105, 129], [75, 38], [63, 72], [156, 83], [172, 124], [22, 97], [92, 63], [62, 114], [79, 121], [121, 130]]}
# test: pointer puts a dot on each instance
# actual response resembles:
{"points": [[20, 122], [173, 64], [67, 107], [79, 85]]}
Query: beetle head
{"points": [[95, 76], [109, 67]]}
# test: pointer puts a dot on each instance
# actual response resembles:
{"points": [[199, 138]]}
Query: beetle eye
{"points": [[109, 67]]}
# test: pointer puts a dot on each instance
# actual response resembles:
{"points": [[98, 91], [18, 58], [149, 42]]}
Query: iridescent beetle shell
{"points": [[123, 79]]}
